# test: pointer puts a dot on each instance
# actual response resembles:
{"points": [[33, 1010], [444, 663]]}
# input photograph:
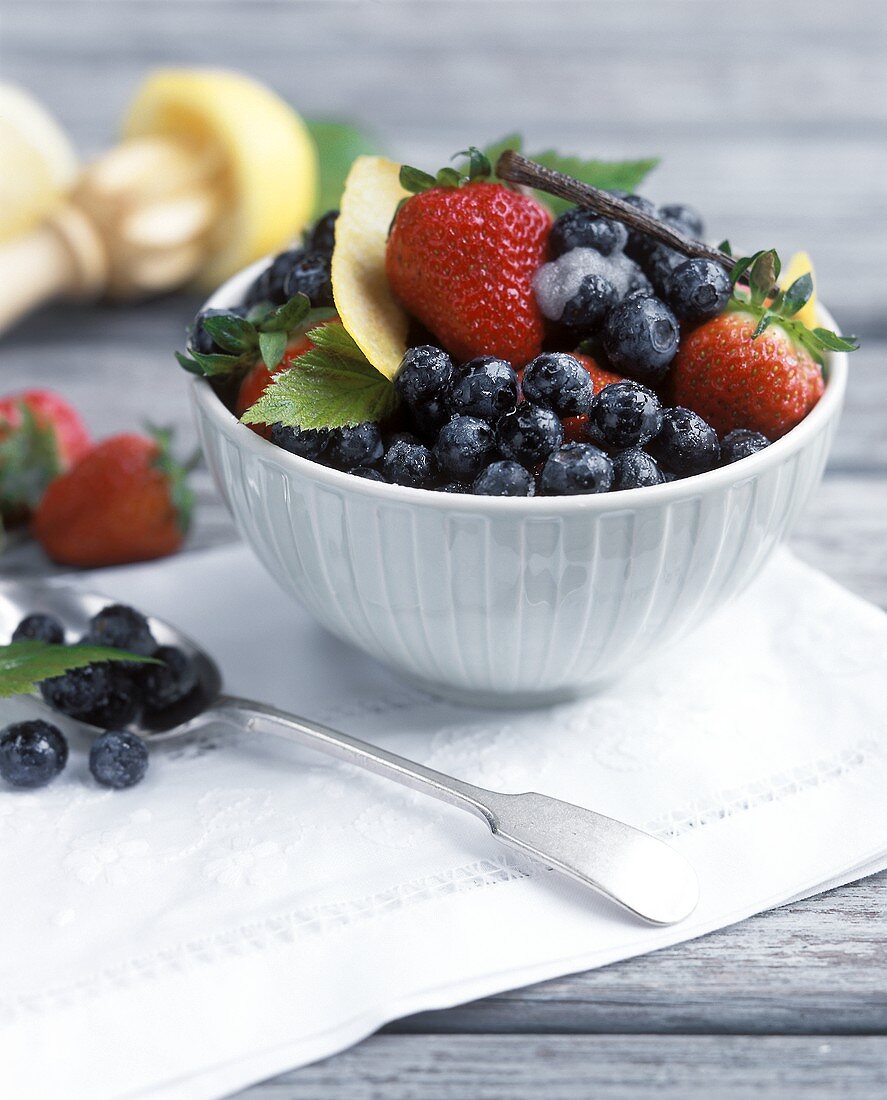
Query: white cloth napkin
{"points": [[252, 906]]}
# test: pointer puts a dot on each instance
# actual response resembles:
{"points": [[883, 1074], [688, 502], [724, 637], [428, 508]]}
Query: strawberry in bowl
{"points": [[511, 471]]}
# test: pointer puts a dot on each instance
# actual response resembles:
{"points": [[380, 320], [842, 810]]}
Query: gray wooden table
{"points": [[773, 120]]}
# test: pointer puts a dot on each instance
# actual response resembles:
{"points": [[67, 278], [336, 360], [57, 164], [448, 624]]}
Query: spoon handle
{"points": [[638, 871]]}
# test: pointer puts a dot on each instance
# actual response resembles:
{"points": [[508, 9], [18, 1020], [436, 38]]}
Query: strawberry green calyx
{"points": [[264, 333], [416, 181], [29, 460], [176, 473], [771, 305]]}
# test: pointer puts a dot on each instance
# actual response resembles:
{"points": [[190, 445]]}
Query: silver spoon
{"points": [[637, 871]]}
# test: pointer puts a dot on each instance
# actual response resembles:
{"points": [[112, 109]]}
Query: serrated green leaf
{"points": [[272, 345], [331, 385], [338, 145], [231, 332], [288, 316], [24, 665]]}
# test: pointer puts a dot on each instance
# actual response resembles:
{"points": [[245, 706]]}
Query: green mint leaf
{"points": [[797, 295], [29, 460], [338, 145], [415, 180], [231, 332], [288, 316], [23, 665], [331, 385], [272, 345], [832, 342], [615, 175]]}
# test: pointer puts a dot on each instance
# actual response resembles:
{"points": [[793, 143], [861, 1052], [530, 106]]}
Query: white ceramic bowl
{"points": [[509, 600]]}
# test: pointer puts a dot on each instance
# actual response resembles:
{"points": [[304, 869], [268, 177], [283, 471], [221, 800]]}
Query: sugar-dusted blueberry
{"points": [[39, 628], [464, 446], [633, 468], [305, 442], [575, 469], [118, 759], [424, 374], [269, 286], [199, 339], [587, 310], [322, 236], [485, 387], [625, 414], [698, 290], [368, 474], [171, 680], [641, 338], [578, 228], [560, 382], [686, 444], [529, 434], [740, 443], [504, 478], [684, 218], [356, 445], [309, 274], [121, 627], [411, 464], [32, 753]]}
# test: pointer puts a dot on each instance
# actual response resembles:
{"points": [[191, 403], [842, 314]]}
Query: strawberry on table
{"points": [[756, 366], [41, 436], [461, 257], [126, 500]]}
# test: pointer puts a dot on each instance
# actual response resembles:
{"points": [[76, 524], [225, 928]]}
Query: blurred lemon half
{"points": [[38, 162], [267, 158]]}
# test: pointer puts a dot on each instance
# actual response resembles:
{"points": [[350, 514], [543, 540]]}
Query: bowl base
{"points": [[503, 700]]}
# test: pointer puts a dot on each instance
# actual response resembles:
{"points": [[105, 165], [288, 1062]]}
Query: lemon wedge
{"points": [[39, 163], [801, 264], [265, 154], [364, 302]]}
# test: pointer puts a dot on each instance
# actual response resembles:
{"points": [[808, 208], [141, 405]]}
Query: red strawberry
{"points": [[766, 383], [125, 500], [41, 436], [461, 260], [574, 425]]}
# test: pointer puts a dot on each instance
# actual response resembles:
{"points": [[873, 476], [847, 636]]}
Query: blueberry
{"points": [[121, 627], [78, 691], [504, 479], [686, 444], [269, 286], [465, 445], [638, 243], [39, 628], [625, 414], [454, 487], [200, 340], [424, 373], [360, 445], [683, 218], [118, 759], [309, 274], [659, 265], [122, 699], [740, 443], [171, 681], [305, 442], [529, 434], [32, 753], [634, 468], [698, 290], [558, 381], [641, 338], [322, 236], [368, 474], [587, 310], [579, 228], [411, 464], [429, 418], [485, 387], [574, 469]]}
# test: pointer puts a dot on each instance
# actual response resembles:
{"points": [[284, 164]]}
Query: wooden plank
{"points": [[813, 967], [607, 1067]]}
